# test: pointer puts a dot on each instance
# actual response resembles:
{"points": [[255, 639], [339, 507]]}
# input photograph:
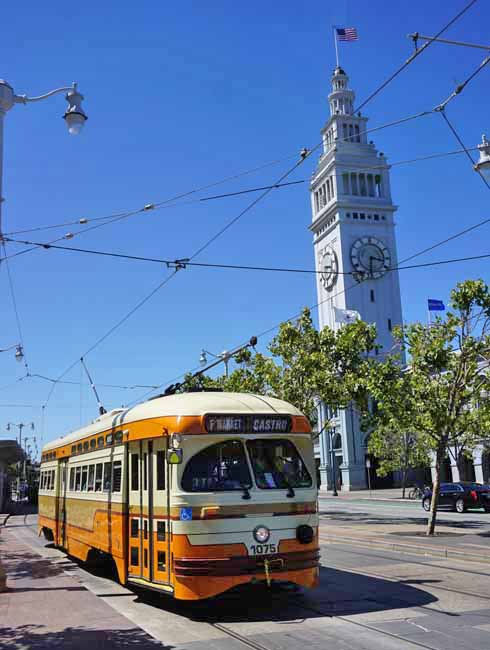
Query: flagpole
{"points": [[336, 45]]}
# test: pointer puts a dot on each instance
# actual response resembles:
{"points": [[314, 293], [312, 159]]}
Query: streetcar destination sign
{"points": [[248, 423]]}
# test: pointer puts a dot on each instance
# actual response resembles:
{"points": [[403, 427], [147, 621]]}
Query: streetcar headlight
{"points": [[262, 534], [305, 534]]}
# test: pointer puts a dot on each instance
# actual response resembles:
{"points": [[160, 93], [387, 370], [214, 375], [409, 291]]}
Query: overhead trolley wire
{"points": [[107, 220], [14, 304], [417, 53], [264, 194], [183, 263]]}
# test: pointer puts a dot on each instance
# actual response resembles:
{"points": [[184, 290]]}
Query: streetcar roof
{"points": [[185, 404]]}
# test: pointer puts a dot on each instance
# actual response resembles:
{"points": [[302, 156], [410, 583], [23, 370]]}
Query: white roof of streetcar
{"points": [[185, 404]]}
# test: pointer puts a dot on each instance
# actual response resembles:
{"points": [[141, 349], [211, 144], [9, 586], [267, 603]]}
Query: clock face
{"points": [[370, 257], [329, 267]]}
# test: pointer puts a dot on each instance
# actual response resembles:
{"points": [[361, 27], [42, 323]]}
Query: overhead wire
{"points": [[159, 204], [183, 263], [14, 304], [417, 53], [396, 163], [267, 189], [227, 226], [120, 322]]}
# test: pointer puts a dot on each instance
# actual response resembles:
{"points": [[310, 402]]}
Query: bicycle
{"points": [[416, 492]]}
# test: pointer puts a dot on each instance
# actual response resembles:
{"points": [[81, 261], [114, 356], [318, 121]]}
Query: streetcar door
{"points": [[135, 510], [159, 511], [61, 503]]}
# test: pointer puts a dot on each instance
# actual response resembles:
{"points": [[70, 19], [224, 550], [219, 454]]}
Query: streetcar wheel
{"points": [[459, 505]]}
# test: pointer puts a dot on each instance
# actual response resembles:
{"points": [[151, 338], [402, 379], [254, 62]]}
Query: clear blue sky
{"points": [[183, 94]]}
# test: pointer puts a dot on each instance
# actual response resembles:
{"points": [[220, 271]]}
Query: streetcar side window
{"points": [[83, 485], [72, 479], [78, 476], [91, 474], [160, 531], [135, 480], [160, 470], [220, 467], [98, 477], [145, 471], [51, 485], [116, 476], [107, 477]]}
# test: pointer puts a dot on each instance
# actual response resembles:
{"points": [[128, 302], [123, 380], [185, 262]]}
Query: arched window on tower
{"points": [[351, 133], [356, 130], [344, 131], [379, 185]]}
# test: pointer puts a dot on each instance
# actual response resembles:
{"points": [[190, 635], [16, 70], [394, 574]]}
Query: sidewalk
{"points": [[391, 494], [45, 607]]}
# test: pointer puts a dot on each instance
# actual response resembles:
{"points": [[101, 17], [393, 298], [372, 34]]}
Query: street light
{"points": [[483, 164], [19, 352], [20, 426], [74, 116], [224, 356]]}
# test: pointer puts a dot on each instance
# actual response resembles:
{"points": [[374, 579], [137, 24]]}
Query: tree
{"points": [[442, 397], [392, 438], [306, 366]]}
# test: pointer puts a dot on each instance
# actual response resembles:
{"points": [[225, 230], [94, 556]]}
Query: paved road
{"points": [[368, 600], [373, 509]]}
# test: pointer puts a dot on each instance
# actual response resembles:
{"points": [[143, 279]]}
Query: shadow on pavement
{"points": [[339, 593], [75, 638], [383, 520]]}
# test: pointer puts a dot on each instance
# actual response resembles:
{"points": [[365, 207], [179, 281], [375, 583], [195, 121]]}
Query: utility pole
{"points": [[20, 426]]}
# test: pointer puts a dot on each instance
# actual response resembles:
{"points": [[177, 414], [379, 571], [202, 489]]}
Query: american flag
{"points": [[346, 33]]}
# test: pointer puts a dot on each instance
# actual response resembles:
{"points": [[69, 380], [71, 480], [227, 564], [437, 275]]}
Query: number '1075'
{"points": [[261, 549]]}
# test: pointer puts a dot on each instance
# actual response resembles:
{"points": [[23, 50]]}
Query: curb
{"points": [[392, 499], [444, 552]]}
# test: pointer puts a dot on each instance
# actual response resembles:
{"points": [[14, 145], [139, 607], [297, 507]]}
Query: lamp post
{"points": [[19, 352], [483, 164], [74, 116], [224, 357], [20, 426], [333, 463]]}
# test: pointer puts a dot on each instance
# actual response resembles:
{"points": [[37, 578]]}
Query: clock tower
{"points": [[354, 241]]}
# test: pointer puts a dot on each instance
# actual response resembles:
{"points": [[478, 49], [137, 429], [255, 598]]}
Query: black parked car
{"points": [[460, 496]]}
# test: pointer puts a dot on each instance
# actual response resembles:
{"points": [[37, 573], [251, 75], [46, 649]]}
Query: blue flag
{"points": [[435, 305]]}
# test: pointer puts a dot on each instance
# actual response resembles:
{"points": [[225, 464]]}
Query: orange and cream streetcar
{"points": [[190, 494]]}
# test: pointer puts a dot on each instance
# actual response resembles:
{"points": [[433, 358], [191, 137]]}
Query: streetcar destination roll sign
{"points": [[248, 423]]}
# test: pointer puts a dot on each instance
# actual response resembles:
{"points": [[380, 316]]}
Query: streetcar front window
{"points": [[277, 464], [220, 467]]}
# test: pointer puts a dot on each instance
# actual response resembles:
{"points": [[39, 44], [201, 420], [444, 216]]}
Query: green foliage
{"points": [[441, 399], [306, 366]]}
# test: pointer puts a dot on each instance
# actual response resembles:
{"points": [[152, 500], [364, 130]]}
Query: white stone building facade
{"points": [[354, 243]]}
